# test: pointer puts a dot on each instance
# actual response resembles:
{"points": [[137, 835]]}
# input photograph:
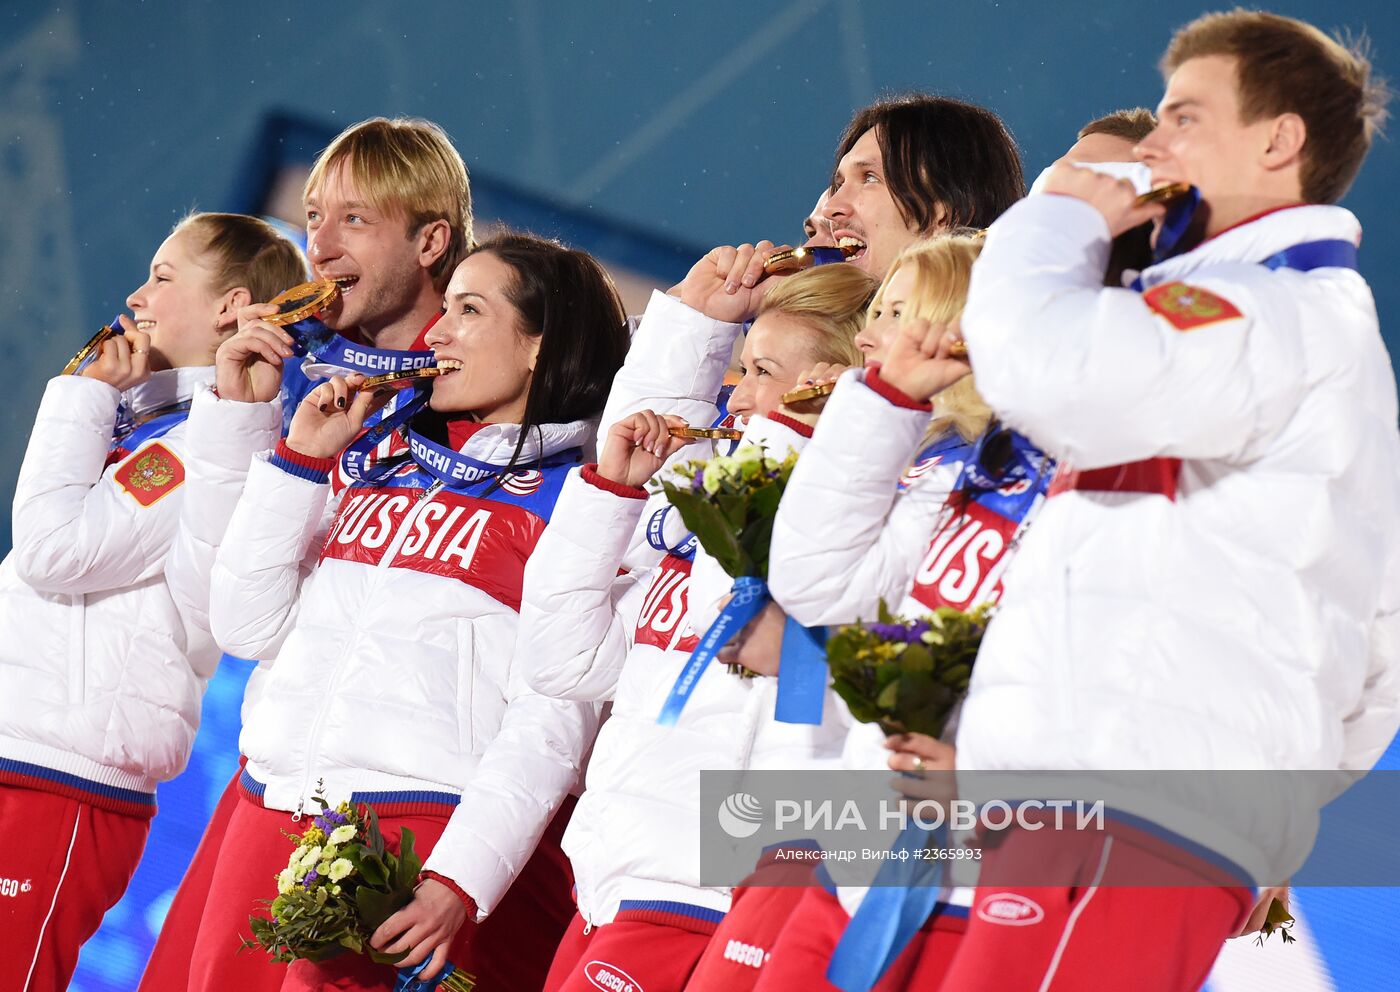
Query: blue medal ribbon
{"points": [[1174, 224], [139, 432], [322, 346], [452, 468], [408, 980], [656, 536], [1314, 255], [354, 460], [987, 471], [1328, 253], [749, 596], [802, 674], [900, 900], [370, 361]]}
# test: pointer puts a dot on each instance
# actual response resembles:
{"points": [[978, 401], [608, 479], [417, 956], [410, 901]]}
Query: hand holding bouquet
{"points": [[341, 882], [907, 675]]}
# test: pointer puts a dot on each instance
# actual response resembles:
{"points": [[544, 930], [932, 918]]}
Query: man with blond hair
{"points": [[388, 215], [1214, 583]]}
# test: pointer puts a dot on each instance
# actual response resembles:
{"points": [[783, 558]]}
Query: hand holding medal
{"points": [[637, 447], [926, 358], [121, 359], [728, 283], [248, 366], [805, 402], [333, 414], [1116, 199]]}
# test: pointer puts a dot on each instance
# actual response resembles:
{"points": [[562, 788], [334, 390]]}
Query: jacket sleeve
{"points": [[676, 364], [524, 775], [709, 583], [577, 614], [1371, 726], [76, 527], [221, 438], [1209, 369], [845, 538], [269, 549]]}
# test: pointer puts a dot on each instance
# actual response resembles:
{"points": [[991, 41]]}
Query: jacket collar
{"points": [[1254, 240], [494, 444], [166, 388]]}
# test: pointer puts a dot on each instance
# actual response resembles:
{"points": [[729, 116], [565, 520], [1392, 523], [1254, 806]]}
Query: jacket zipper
{"points": [[400, 535]]}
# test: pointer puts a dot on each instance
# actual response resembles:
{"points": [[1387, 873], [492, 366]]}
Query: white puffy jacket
{"points": [[858, 525], [392, 672], [634, 839], [848, 535], [587, 633], [1251, 618], [99, 679]]}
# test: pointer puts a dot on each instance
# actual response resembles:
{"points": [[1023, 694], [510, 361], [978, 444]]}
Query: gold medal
{"points": [[88, 350], [790, 260], [710, 433], [403, 379], [1162, 194], [804, 393], [303, 301]]}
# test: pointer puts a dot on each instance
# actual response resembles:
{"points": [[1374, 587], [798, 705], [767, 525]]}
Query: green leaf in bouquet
{"points": [[764, 502], [735, 508], [375, 906], [374, 837], [322, 953], [352, 942], [888, 699], [705, 520], [755, 543], [916, 658], [858, 699], [957, 676], [371, 867], [409, 863], [885, 675]]}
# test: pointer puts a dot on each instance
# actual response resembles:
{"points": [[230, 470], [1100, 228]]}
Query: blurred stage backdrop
{"points": [[644, 132]]}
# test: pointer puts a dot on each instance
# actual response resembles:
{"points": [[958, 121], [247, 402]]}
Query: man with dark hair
{"points": [[1214, 582], [914, 165], [1113, 137], [905, 169]]}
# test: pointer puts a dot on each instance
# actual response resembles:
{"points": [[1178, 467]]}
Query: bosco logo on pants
{"points": [[610, 977]]}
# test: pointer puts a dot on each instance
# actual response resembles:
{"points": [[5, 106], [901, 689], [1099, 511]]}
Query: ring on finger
{"points": [[918, 764]]}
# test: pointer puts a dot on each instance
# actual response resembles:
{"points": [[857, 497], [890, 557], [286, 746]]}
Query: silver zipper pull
{"points": [[432, 490], [301, 805], [587, 926]]}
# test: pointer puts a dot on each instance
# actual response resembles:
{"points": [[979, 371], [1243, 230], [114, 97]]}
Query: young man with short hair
{"points": [[1219, 558]]}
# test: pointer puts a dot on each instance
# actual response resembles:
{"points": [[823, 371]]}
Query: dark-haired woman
{"points": [[390, 611]]}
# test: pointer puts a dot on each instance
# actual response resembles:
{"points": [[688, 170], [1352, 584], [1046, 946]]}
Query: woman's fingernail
{"points": [[731, 288], [340, 402]]}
